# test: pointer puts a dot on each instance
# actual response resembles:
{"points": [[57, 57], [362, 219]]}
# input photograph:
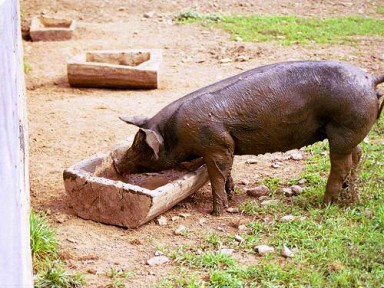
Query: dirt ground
{"points": [[67, 124]]}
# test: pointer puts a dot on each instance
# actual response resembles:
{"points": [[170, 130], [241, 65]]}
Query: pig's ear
{"points": [[139, 121], [153, 139]]}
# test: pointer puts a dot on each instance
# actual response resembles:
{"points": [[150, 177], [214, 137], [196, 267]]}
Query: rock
{"points": [[92, 271], [233, 210], [242, 228], [295, 155], [61, 218], [302, 181], [162, 221], [287, 192], [251, 161], [296, 189], [264, 249], [175, 218], [287, 218], [263, 198], [157, 260], [269, 202], [149, 14], [180, 230], [244, 182], [225, 61], [241, 58], [227, 251], [286, 252], [202, 221], [185, 215], [159, 253], [276, 165], [238, 238], [258, 191]]}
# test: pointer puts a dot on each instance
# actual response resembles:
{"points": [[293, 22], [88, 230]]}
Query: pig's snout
{"points": [[121, 162]]}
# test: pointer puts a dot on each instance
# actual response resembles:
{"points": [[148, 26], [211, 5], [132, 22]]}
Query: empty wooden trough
{"points": [[98, 193], [137, 69], [45, 28]]}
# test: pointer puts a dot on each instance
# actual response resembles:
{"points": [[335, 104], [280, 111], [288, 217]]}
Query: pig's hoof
{"points": [[216, 211]]}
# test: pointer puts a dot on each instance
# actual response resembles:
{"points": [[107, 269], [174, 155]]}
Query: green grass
{"points": [[49, 270], [337, 246], [288, 30]]}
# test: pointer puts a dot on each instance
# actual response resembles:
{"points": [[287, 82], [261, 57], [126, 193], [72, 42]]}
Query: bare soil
{"points": [[67, 125]]}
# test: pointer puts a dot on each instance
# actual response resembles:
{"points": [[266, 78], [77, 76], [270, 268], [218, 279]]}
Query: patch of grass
{"points": [[49, 270], [334, 246], [118, 277], [288, 30]]}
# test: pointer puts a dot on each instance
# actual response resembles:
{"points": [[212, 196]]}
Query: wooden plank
{"points": [[15, 259]]}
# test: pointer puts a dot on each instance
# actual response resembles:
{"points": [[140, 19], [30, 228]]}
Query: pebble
{"points": [[258, 191], [227, 251], [233, 210], [276, 165], [162, 221], [225, 60], [61, 218], [157, 260], [202, 221], [295, 155], [251, 161], [241, 58], [180, 230], [287, 218], [286, 252], [238, 238], [149, 14], [288, 192], [159, 253], [175, 218], [264, 249], [302, 181], [185, 215], [296, 189], [269, 202], [245, 182]]}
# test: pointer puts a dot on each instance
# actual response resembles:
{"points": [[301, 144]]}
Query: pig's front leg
{"points": [[219, 167]]}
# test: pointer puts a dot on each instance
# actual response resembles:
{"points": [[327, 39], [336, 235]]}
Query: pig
{"points": [[277, 107]]}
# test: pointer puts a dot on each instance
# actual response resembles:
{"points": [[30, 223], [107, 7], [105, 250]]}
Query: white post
{"points": [[15, 253]]}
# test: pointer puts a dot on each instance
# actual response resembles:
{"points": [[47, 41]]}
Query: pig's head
{"points": [[145, 154]]}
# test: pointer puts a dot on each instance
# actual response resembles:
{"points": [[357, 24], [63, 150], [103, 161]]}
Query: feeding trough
{"points": [[115, 69], [45, 28], [98, 193]]}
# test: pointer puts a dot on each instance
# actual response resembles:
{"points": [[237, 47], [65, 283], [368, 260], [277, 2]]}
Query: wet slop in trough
{"points": [[98, 193]]}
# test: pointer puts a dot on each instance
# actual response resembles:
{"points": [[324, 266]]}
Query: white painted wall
{"points": [[15, 254]]}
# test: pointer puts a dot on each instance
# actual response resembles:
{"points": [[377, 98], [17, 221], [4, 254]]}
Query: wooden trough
{"points": [[115, 69], [98, 193], [45, 28]]}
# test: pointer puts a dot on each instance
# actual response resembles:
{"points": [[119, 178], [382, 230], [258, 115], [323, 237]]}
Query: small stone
{"points": [[180, 230], [159, 253], [238, 238], [286, 252], [92, 271], [251, 161], [295, 155], [184, 215], [233, 210], [264, 249], [227, 251], [263, 198], [199, 251], [241, 58], [258, 191], [221, 229], [302, 181], [276, 165], [175, 218], [244, 182], [149, 14], [288, 192], [71, 240], [162, 221], [225, 61], [243, 228], [202, 221], [61, 218], [269, 202], [296, 189], [157, 260], [287, 218]]}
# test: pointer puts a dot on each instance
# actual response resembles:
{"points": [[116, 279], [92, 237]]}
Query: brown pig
{"points": [[272, 108]]}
